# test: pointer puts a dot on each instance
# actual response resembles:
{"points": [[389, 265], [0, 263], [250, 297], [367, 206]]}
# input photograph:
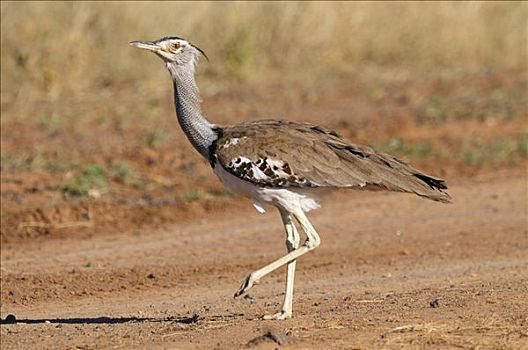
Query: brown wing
{"points": [[276, 153]]}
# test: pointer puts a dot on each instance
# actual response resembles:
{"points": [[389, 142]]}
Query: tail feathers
{"points": [[435, 187]]}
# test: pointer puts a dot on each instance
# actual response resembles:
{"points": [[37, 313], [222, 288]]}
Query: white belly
{"points": [[289, 199]]}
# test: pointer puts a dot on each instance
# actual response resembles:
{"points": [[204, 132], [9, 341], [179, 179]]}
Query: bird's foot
{"points": [[249, 281], [282, 315]]}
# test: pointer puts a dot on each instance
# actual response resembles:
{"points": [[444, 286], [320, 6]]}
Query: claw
{"points": [[246, 285]]}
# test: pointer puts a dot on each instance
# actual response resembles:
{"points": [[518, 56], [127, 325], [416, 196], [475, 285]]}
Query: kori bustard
{"points": [[281, 163]]}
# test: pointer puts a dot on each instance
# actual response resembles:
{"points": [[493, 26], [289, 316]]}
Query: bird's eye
{"points": [[174, 46]]}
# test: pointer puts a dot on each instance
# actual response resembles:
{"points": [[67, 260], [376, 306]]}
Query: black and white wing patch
{"points": [[266, 172]]}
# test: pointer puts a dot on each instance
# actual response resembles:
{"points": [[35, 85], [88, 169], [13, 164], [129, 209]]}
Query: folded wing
{"points": [[274, 153]]}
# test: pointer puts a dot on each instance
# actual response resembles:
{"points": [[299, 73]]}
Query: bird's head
{"points": [[172, 50]]}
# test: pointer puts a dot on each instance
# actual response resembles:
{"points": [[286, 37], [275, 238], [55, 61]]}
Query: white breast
{"points": [[290, 199]]}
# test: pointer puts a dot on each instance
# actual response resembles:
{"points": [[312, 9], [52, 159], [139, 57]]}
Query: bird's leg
{"points": [[312, 242], [293, 241]]}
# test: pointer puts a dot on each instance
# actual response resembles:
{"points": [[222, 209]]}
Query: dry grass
{"points": [[54, 49]]}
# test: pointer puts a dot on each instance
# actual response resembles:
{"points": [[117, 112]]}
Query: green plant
{"points": [[91, 182], [475, 151], [123, 172]]}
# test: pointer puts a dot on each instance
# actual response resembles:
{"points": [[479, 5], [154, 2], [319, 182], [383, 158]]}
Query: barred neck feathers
{"points": [[187, 101]]}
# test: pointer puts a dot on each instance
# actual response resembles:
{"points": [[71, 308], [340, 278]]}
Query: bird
{"points": [[283, 164]]}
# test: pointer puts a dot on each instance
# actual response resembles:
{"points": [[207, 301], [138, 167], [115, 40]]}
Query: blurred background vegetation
{"points": [[84, 116], [51, 48]]}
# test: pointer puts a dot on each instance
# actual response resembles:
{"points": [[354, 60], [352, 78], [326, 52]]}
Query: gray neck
{"points": [[187, 101]]}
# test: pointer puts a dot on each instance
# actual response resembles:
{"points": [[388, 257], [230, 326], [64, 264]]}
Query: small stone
{"points": [[10, 319], [276, 337], [151, 276], [434, 303]]}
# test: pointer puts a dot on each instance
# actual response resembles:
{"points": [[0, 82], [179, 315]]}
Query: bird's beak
{"points": [[146, 45]]}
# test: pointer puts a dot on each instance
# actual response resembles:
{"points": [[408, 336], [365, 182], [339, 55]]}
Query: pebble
{"points": [[434, 303], [10, 319]]}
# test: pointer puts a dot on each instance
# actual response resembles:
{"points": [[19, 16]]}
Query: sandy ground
{"points": [[393, 271]]}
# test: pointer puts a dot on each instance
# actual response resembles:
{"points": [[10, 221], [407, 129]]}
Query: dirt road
{"points": [[393, 271]]}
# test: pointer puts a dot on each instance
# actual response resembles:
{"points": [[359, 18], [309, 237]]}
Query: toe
{"points": [[278, 316], [246, 285]]}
